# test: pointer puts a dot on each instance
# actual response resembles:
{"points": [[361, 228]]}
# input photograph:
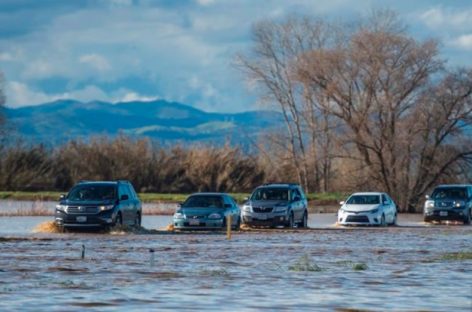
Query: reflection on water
{"points": [[404, 269]]}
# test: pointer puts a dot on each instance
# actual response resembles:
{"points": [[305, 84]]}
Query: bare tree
{"points": [[277, 47], [403, 113]]}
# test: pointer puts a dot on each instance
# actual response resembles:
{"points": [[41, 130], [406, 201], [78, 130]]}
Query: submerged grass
{"points": [[457, 256], [304, 264], [359, 267]]}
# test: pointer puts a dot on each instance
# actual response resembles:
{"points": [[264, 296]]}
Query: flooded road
{"points": [[407, 268]]}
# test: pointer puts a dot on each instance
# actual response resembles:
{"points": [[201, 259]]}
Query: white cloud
{"points": [[19, 94], [464, 42], [440, 17], [95, 60], [6, 57], [133, 96]]}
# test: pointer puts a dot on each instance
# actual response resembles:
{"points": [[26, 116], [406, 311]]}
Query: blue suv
{"points": [[101, 204], [449, 202]]}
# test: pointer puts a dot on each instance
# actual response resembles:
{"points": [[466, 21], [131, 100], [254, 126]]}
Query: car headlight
{"points": [[459, 204], [61, 207], [374, 210], [179, 215], [106, 207], [429, 204], [246, 208], [215, 216]]}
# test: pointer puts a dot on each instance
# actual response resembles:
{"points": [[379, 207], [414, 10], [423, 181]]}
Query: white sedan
{"points": [[368, 209]]}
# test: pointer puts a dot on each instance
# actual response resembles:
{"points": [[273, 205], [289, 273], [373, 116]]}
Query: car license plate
{"points": [[193, 222], [262, 217], [443, 213], [81, 219]]}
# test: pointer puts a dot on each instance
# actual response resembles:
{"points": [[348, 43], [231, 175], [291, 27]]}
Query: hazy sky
{"points": [[122, 50]]}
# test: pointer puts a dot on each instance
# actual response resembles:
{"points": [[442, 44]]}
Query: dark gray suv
{"points": [[449, 202], [276, 204], [99, 204]]}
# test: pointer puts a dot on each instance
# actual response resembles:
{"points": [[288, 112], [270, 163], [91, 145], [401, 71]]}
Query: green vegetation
{"points": [[457, 256], [304, 264], [359, 267]]}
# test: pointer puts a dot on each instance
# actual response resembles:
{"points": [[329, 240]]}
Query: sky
{"points": [[176, 50]]}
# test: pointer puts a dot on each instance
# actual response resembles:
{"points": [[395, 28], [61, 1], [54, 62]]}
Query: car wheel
{"points": [[382, 221], [467, 218], [304, 222], [137, 220], [238, 225], [118, 222], [290, 223]]}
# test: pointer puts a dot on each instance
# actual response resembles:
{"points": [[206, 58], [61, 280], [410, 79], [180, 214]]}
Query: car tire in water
{"points": [[238, 225], [304, 223], [290, 222], [137, 220], [118, 221], [382, 221], [467, 218], [394, 222]]}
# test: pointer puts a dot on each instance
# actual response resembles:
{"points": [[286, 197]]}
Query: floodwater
{"points": [[403, 268]]}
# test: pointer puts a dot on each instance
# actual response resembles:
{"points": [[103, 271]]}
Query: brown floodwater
{"points": [[403, 268]]}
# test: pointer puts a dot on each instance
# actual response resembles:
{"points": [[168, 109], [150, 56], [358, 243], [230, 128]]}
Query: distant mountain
{"points": [[162, 121]]}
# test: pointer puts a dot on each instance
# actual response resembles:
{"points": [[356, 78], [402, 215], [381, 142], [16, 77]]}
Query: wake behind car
{"points": [[449, 203], [370, 208], [207, 211], [276, 204], [99, 204]]}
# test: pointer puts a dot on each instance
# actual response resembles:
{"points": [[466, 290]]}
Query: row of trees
{"points": [[151, 169], [366, 92]]}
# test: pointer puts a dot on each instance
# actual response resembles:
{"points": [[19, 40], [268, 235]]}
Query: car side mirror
{"points": [[62, 196], [342, 203], [124, 197], [297, 198], [426, 196], [385, 203], [228, 205]]}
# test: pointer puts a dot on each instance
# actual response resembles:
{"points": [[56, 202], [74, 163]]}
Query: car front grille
{"points": [[443, 204], [262, 209], [360, 219], [82, 209]]}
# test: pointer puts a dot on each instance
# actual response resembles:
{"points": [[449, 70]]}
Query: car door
{"points": [[231, 210], [237, 211], [124, 203], [134, 203], [297, 204], [387, 208]]}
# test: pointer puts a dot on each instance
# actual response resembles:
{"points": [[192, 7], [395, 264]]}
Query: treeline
{"points": [[149, 168]]}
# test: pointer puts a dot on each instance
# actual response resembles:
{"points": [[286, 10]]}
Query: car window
{"points": [[450, 193], [384, 199], [267, 193], [132, 192], [122, 190], [92, 192], [296, 193], [204, 201], [302, 193], [364, 200]]}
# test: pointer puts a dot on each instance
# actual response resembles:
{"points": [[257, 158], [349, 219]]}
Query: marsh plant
{"points": [[305, 264]]}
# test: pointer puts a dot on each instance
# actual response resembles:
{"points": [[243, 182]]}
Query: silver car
{"points": [[276, 205], [370, 208]]}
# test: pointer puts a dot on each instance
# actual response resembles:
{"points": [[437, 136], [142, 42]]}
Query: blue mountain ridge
{"points": [[161, 121]]}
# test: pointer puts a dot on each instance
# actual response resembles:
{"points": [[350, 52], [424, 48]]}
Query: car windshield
{"points": [[450, 192], [271, 194], [92, 192], [203, 201], [364, 200]]}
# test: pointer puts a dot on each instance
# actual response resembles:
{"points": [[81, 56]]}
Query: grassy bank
{"points": [[315, 199]]}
